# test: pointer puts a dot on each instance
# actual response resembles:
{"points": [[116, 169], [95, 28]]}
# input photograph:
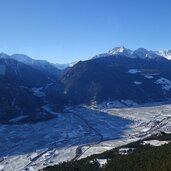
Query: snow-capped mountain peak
{"points": [[164, 53], [141, 53], [120, 50], [116, 51]]}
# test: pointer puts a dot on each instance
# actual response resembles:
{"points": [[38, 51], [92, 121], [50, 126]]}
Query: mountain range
{"points": [[138, 53], [120, 75]]}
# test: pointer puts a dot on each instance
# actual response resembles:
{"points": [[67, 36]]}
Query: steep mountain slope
{"points": [[17, 101], [140, 75]]}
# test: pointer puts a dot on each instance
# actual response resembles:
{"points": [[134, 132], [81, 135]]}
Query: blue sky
{"points": [[63, 31]]}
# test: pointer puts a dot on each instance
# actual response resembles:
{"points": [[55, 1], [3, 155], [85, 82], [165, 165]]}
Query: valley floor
{"points": [[77, 133]]}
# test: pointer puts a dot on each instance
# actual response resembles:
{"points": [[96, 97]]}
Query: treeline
{"points": [[143, 158]]}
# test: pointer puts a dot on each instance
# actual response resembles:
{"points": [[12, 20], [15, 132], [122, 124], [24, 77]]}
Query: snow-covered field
{"points": [[64, 138], [77, 133], [155, 142]]}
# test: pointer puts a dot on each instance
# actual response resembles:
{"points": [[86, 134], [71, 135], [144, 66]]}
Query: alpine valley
{"points": [[52, 113]]}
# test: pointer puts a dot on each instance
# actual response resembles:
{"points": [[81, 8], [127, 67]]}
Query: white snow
{"points": [[1, 167], [112, 104], [149, 76], [133, 71], [30, 169], [48, 154], [120, 50], [137, 82], [138, 53], [72, 64], [166, 84], [102, 55], [155, 143], [91, 130], [102, 162], [33, 155], [145, 129], [116, 51], [165, 53]]}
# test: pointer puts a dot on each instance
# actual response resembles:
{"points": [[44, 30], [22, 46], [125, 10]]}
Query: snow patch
{"points": [[120, 51], [30, 169], [102, 162], [133, 71], [102, 55], [154, 143], [145, 129], [46, 155], [165, 53], [113, 104], [137, 83], [166, 84], [149, 76], [1, 167]]}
